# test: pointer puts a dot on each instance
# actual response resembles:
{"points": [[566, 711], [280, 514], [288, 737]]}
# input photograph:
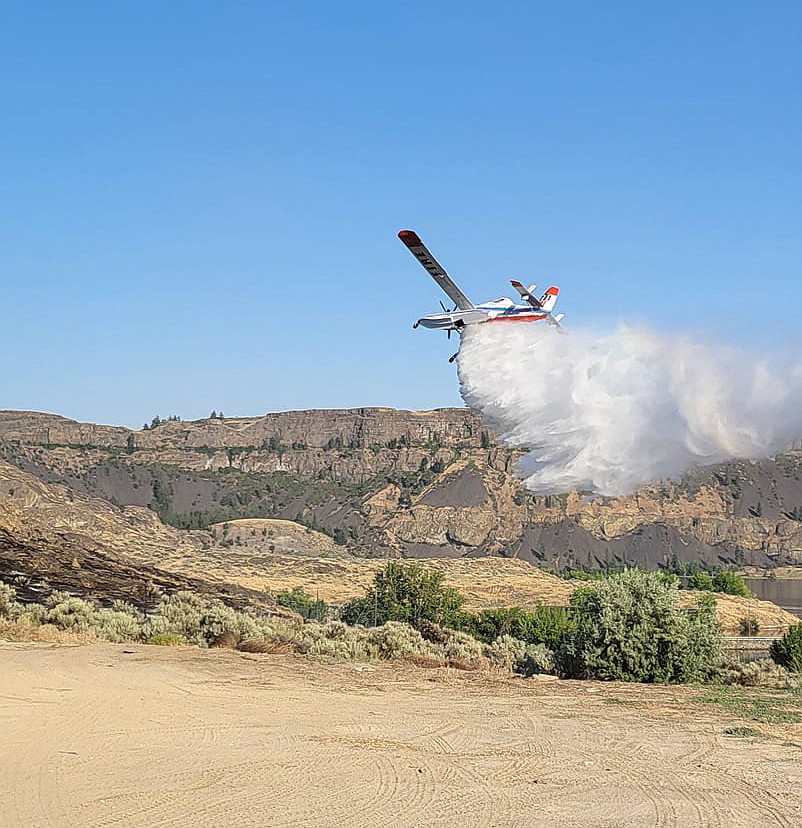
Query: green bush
{"points": [[543, 625], [336, 640], [460, 646], [702, 581], [121, 622], [298, 600], [9, 606], [69, 613], [787, 652], [731, 583], [630, 627], [395, 639], [166, 639], [116, 626], [517, 656], [405, 592]]}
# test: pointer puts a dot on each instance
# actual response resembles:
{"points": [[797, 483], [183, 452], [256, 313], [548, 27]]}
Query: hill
{"points": [[382, 482], [52, 537]]}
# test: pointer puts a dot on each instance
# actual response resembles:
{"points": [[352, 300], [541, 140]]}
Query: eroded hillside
{"points": [[419, 484]]}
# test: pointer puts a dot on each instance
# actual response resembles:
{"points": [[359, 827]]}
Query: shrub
{"points": [[68, 613], [35, 614], [538, 658], [787, 652], [731, 583], [118, 605], [459, 646], [200, 619], [701, 581], [337, 641], [9, 606], [701, 643], [748, 626], [544, 625], [395, 639], [405, 592], [763, 673], [166, 639], [116, 626], [179, 614], [507, 652], [630, 627], [304, 604], [121, 622]]}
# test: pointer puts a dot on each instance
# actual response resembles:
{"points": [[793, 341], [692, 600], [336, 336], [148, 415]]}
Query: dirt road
{"points": [[115, 735]]}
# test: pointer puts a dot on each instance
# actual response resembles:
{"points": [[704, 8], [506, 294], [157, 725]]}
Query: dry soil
{"points": [[116, 735]]}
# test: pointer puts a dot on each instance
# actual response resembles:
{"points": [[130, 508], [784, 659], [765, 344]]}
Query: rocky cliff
{"points": [[386, 482]]}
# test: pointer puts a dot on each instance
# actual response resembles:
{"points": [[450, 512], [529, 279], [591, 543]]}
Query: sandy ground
{"points": [[115, 735]]}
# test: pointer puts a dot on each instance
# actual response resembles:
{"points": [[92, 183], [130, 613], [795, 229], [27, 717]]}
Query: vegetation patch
{"points": [[742, 731], [166, 639], [787, 652], [630, 627], [757, 706]]}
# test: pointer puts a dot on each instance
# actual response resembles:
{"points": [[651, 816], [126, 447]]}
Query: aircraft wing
{"points": [[526, 295], [418, 249]]}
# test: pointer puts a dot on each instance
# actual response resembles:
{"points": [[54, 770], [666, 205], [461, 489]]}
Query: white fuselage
{"points": [[502, 310]]}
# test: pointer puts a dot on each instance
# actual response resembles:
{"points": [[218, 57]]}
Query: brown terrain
{"points": [[143, 736], [136, 735], [418, 484], [61, 526]]}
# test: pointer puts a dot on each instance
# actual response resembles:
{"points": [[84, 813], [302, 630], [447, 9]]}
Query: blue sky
{"points": [[200, 200]]}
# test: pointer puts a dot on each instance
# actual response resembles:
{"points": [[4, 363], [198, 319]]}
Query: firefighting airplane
{"points": [[466, 313]]}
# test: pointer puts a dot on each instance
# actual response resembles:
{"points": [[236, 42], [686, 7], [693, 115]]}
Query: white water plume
{"points": [[608, 413]]}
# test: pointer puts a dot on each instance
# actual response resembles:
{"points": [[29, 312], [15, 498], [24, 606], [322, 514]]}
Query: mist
{"points": [[609, 412]]}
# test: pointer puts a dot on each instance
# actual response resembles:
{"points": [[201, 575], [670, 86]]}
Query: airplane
{"points": [[465, 313]]}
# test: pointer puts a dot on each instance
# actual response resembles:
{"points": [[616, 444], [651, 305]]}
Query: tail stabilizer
{"points": [[549, 299], [555, 320]]}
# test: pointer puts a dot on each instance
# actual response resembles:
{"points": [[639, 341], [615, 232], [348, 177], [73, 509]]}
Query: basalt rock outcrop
{"points": [[385, 482]]}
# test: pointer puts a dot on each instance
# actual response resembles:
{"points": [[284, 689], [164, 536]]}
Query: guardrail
{"points": [[766, 641], [748, 648]]}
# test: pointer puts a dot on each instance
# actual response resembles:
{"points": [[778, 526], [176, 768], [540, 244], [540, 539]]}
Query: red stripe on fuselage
{"points": [[529, 317]]}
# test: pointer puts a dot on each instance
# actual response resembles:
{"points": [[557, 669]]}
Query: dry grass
{"points": [[266, 646], [485, 582], [427, 662], [285, 536], [23, 630], [226, 640], [462, 664], [432, 662]]}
